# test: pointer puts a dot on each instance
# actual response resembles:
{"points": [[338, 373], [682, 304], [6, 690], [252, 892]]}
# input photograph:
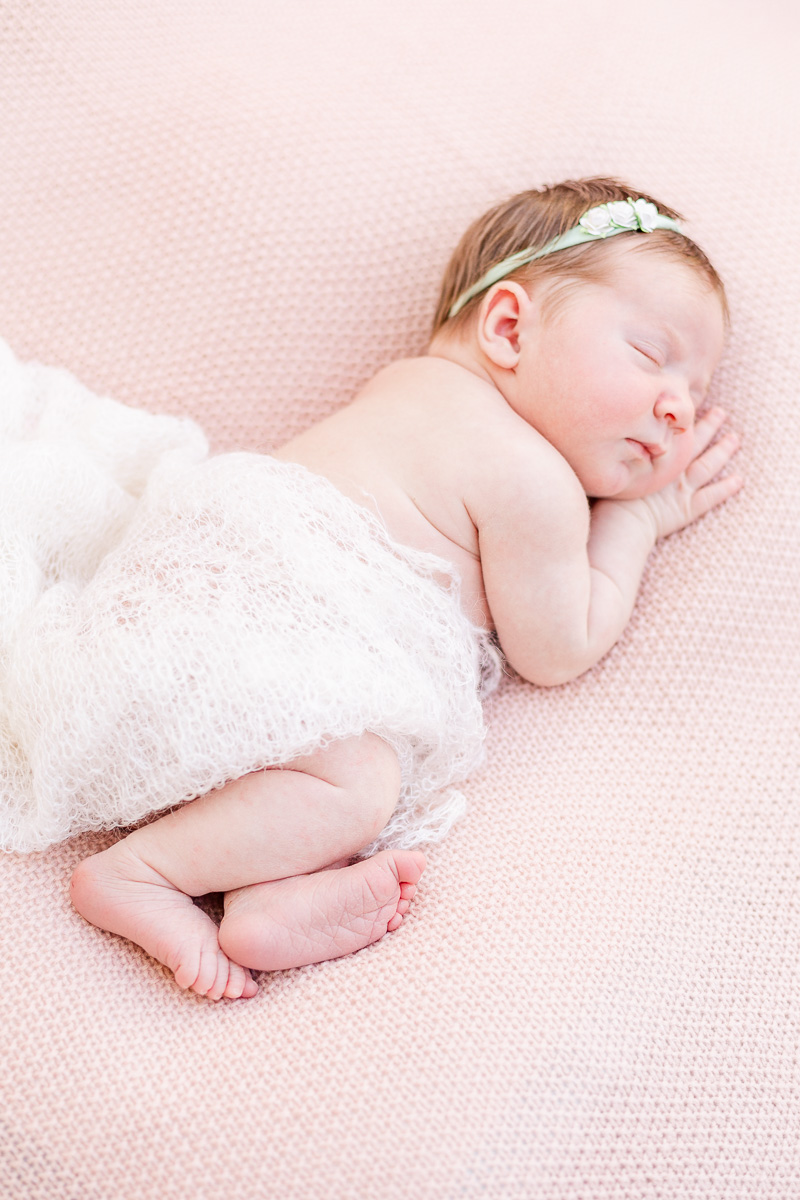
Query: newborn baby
{"points": [[317, 627]]}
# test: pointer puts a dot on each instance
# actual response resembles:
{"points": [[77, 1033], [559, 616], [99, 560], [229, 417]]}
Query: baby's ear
{"points": [[504, 307]]}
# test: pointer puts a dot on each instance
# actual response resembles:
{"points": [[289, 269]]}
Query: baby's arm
{"points": [[561, 583]]}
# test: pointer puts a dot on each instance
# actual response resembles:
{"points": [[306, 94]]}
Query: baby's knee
{"points": [[364, 774], [368, 773], [377, 782]]}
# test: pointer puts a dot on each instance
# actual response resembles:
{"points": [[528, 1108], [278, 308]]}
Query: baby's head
{"points": [[598, 320], [531, 221]]}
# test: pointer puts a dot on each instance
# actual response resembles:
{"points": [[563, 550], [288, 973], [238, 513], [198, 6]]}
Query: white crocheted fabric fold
{"points": [[170, 621]]}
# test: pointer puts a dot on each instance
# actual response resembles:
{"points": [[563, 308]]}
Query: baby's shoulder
{"points": [[508, 455], [522, 481], [461, 429], [446, 401]]}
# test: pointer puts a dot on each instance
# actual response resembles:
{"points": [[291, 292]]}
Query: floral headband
{"points": [[602, 221]]}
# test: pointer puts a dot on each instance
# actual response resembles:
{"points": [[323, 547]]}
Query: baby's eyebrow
{"points": [[654, 322], [676, 343], [680, 346]]}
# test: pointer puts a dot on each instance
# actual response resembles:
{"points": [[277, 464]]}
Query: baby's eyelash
{"points": [[650, 353]]}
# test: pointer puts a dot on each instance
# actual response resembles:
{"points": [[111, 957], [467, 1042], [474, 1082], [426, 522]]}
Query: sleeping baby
{"points": [[279, 660]]}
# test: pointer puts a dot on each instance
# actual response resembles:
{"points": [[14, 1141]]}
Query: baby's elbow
{"points": [[548, 657], [556, 678], [548, 674], [552, 680]]}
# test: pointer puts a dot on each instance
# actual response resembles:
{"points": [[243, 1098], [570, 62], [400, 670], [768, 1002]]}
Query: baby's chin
{"points": [[631, 485]]}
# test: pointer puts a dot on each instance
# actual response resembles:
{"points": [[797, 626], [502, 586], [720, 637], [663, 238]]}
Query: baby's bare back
{"points": [[419, 446]]}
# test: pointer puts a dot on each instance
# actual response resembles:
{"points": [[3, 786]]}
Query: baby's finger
{"points": [[707, 465], [712, 494], [706, 427]]}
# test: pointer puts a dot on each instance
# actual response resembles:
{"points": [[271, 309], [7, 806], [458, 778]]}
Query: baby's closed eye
{"points": [[652, 353]]}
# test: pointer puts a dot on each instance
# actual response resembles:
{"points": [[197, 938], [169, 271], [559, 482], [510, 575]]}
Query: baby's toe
{"points": [[222, 977], [188, 970], [207, 974], [238, 979]]}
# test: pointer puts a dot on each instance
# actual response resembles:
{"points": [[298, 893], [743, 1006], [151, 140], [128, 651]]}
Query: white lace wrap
{"points": [[170, 621]]}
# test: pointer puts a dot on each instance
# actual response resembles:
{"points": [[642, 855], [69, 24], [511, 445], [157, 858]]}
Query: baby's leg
{"points": [[267, 826]]}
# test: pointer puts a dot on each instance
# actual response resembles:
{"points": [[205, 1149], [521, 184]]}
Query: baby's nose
{"points": [[677, 409]]}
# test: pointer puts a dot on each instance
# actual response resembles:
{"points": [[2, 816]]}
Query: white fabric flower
{"points": [[646, 215], [597, 221], [623, 214]]}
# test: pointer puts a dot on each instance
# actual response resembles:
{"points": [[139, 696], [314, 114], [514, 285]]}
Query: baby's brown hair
{"points": [[529, 220]]}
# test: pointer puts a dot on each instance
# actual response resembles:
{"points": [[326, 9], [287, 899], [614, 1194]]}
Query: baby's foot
{"points": [[311, 918], [118, 892]]}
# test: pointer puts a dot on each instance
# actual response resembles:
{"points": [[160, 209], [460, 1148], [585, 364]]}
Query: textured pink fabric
{"points": [[239, 211]]}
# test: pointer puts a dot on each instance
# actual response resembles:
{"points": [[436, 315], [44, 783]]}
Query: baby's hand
{"points": [[697, 489]]}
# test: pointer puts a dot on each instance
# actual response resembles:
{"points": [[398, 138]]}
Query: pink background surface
{"points": [[239, 211]]}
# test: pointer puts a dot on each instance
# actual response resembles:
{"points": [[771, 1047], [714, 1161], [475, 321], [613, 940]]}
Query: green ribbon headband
{"points": [[602, 221]]}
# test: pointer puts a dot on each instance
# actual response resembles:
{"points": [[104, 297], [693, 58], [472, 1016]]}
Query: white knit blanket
{"points": [[170, 621]]}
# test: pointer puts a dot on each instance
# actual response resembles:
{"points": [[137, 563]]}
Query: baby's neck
{"points": [[464, 352]]}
